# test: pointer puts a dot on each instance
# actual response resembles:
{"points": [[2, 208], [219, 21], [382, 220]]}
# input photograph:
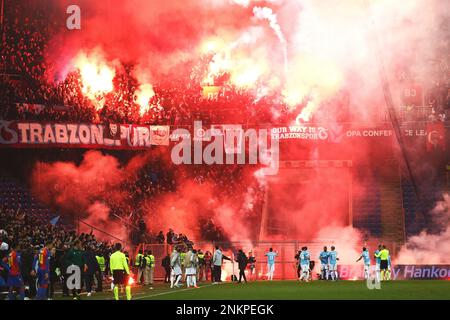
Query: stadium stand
{"points": [[391, 212], [415, 219], [392, 217], [15, 197], [368, 210]]}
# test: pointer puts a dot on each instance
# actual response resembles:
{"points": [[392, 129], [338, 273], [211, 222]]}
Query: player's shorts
{"points": [[14, 282], [377, 267], [332, 267], [41, 280], [384, 265], [176, 270], [366, 268], [305, 267], [323, 267], [191, 271], [120, 277]]}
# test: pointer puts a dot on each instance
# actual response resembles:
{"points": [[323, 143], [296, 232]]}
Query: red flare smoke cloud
{"points": [[306, 50]]}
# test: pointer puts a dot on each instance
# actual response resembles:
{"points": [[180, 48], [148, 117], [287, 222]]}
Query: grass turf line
{"points": [[292, 290]]}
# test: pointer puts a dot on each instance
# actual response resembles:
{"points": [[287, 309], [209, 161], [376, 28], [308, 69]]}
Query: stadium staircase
{"points": [[413, 216], [367, 207], [392, 213]]}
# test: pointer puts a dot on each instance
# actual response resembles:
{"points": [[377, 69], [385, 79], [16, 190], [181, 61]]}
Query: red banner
{"points": [[133, 136], [92, 136]]}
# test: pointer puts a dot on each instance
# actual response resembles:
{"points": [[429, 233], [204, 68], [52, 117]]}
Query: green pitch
{"points": [[291, 290]]}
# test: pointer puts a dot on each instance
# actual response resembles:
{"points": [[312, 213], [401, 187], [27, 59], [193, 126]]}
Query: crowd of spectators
{"points": [[23, 234], [24, 79], [178, 100], [20, 230], [159, 178]]}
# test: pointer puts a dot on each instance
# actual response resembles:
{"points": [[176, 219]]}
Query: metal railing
{"points": [[285, 263]]}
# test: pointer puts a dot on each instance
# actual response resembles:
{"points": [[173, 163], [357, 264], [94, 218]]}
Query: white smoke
{"points": [[266, 13], [427, 248], [347, 240]]}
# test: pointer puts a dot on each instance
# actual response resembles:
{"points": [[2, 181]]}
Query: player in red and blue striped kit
{"points": [[42, 267], [14, 281], [4, 269]]}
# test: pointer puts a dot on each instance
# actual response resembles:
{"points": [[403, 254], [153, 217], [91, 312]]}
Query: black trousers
{"points": [[208, 272], [242, 275], [76, 292], [65, 290], [217, 273], [167, 276], [99, 277], [51, 285], [89, 280]]}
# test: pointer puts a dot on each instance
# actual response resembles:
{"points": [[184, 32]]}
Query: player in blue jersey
{"points": [[41, 266], [4, 270], [366, 259], [323, 257], [271, 263], [304, 263], [376, 254], [332, 263]]}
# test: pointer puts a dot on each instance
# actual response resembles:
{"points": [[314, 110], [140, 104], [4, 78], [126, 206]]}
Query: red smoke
{"points": [[329, 49], [324, 47], [85, 190], [154, 34], [430, 248], [314, 199]]}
